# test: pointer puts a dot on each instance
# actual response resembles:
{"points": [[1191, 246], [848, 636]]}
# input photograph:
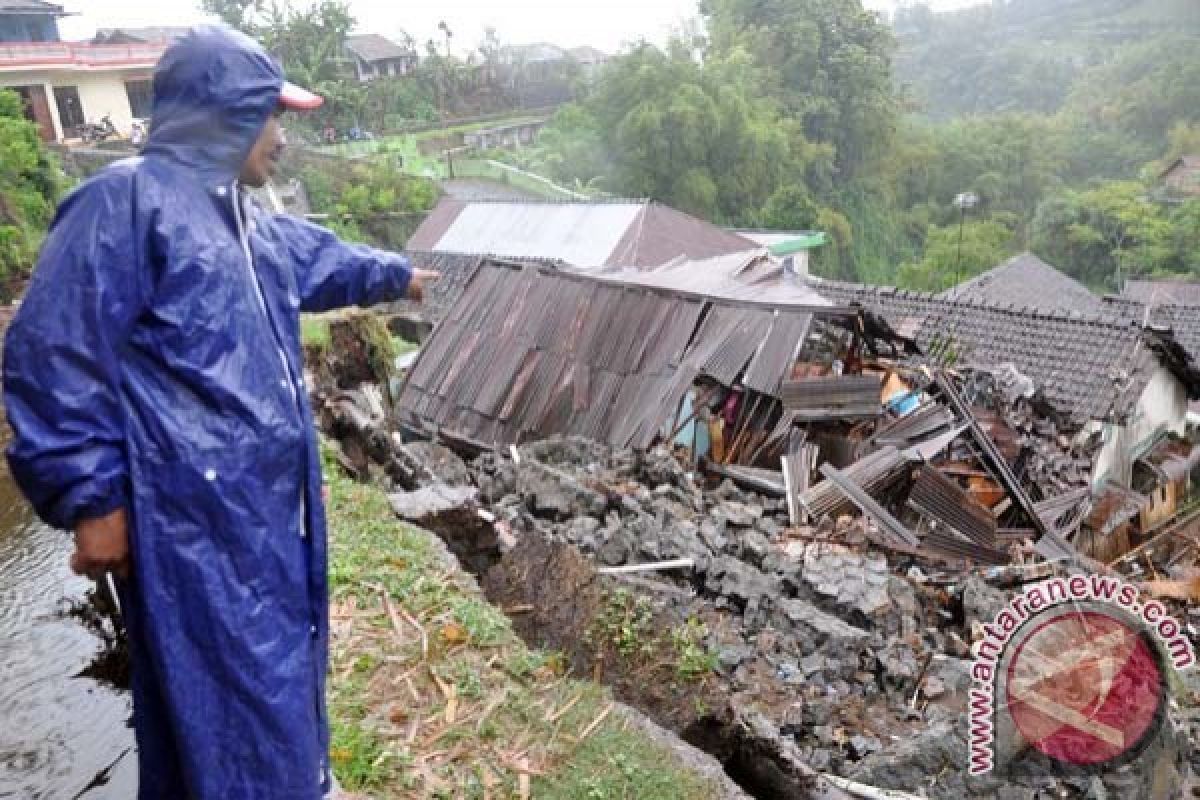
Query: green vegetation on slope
{"points": [[786, 116], [433, 695], [30, 182]]}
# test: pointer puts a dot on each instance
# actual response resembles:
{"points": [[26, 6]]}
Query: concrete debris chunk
{"points": [[431, 501]]}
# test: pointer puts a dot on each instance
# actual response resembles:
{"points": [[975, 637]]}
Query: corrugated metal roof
{"points": [[751, 276], [587, 235], [532, 351], [579, 234]]}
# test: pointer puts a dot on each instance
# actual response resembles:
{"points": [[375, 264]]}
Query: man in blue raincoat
{"points": [[154, 382]]}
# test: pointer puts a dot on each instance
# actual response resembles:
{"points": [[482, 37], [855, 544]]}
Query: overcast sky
{"points": [[606, 24]]}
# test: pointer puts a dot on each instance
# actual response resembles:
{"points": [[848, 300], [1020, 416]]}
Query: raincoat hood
{"points": [[213, 92]]}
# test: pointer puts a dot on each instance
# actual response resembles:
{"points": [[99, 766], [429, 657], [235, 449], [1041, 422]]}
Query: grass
{"points": [[314, 332], [406, 145], [433, 695]]}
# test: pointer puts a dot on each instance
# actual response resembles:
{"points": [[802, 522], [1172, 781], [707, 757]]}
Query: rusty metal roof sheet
{"points": [[940, 498], [530, 351], [834, 397]]}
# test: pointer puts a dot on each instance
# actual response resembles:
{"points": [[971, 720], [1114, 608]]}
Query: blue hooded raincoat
{"points": [[155, 365]]}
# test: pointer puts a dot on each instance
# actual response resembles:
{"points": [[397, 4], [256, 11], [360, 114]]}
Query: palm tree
{"points": [[444, 28]]}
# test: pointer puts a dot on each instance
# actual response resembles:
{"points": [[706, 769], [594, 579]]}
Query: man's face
{"points": [[264, 156]]}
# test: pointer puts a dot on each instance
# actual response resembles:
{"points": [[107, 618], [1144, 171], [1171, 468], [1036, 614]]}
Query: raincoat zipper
{"points": [[262, 304]]}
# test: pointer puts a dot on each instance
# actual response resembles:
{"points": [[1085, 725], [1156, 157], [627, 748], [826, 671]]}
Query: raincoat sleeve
{"points": [[61, 358], [332, 274]]}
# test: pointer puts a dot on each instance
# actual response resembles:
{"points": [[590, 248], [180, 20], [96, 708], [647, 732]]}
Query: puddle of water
{"points": [[58, 731]]}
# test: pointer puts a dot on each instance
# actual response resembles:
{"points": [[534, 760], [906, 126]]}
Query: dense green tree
{"points": [[954, 253], [30, 182], [666, 126], [827, 62], [1105, 235]]}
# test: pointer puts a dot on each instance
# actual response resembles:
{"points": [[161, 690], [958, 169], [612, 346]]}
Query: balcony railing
{"points": [[77, 54]]}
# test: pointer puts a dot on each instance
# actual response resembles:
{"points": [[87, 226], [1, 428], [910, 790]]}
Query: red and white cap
{"points": [[296, 98]]}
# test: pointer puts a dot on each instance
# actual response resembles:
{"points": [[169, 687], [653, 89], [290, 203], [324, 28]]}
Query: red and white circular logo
{"points": [[1085, 687]]}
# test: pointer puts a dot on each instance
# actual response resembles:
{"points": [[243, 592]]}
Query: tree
{"points": [[689, 134], [240, 14], [30, 182], [950, 259], [827, 62], [1105, 235]]}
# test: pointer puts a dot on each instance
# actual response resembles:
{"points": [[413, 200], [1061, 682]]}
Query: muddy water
{"points": [[58, 732]]}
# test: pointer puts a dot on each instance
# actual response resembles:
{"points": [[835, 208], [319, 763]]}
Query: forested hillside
{"points": [[1058, 115], [1029, 55]]}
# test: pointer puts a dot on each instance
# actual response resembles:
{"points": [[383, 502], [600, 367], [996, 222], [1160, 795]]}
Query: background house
{"points": [[150, 35], [585, 235], [1182, 178], [1026, 281], [376, 56], [65, 84]]}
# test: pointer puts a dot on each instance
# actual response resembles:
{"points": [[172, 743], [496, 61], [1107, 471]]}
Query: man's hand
{"points": [[102, 545], [416, 284]]}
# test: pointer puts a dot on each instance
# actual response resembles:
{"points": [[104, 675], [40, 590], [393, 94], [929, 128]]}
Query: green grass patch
{"points": [[314, 332], [618, 764], [432, 694]]}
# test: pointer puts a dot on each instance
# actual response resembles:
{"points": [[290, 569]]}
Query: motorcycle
{"points": [[103, 130]]}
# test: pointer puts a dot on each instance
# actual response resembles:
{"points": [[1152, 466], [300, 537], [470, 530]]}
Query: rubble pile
{"points": [[857, 654], [837, 547]]}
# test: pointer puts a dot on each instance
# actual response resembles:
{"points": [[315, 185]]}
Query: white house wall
{"points": [[100, 93], [1163, 407]]}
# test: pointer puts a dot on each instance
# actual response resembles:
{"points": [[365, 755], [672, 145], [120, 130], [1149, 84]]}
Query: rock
{"points": [[615, 550], [768, 527], [908, 764], [557, 496], [582, 527], [981, 602], [732, 657], [819, 628], [739, 515], [431, 501], [900, 664], [849, 580], [755, 547], [739, 581], [862, 746], [713, 538], [440, 462]]}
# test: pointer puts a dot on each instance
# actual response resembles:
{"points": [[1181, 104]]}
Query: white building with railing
{"points": [[67, 84]]}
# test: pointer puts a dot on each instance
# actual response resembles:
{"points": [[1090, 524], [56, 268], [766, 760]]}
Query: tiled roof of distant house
{"points": [[371, 47], [1027, 282], [1090, 367]]}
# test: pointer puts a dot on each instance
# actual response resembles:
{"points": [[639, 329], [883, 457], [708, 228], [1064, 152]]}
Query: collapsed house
{"points": [[760, 378], [1091, 396], [837, 478]]}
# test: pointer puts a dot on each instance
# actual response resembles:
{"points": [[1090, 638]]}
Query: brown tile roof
{"points": [[1026, 281], [1088, 367]]}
